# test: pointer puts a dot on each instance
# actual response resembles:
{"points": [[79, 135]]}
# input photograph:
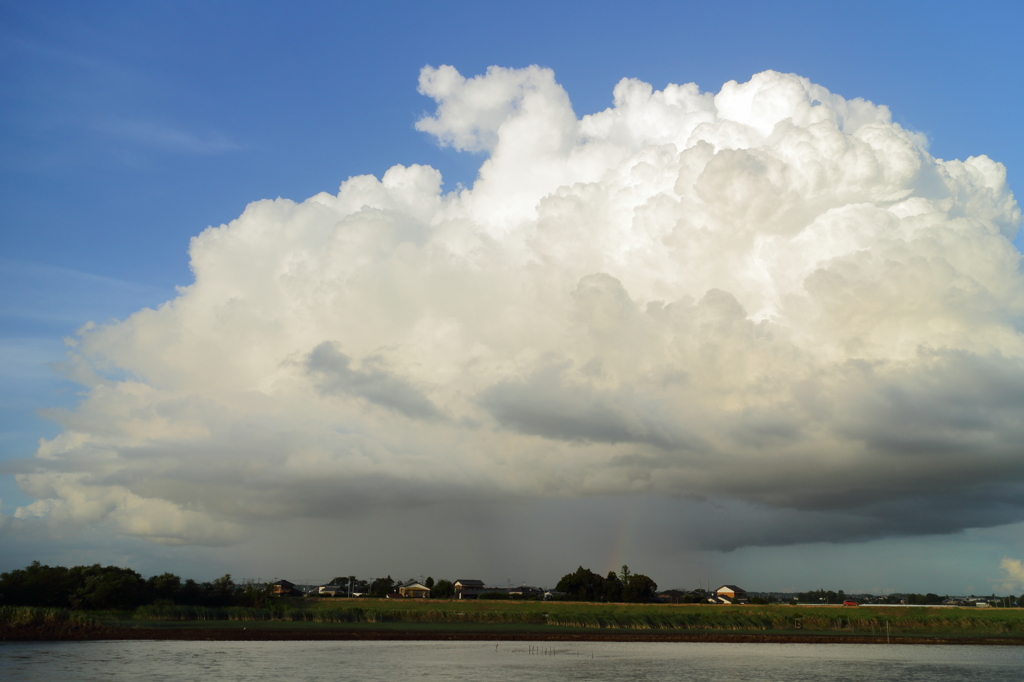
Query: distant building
{"points": [[331, 590], [284, 588], [468, 589], [524, 591], [729, 594], [671, 596], [413, 589]]}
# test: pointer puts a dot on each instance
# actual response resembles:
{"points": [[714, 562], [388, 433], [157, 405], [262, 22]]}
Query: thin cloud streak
{"points": [[170, 139]]}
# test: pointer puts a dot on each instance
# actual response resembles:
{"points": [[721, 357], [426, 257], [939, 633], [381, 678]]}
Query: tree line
{"points": [[382, 587], [580, 585], [99, 587], [822, 596], [585, 585], [111, 587]]}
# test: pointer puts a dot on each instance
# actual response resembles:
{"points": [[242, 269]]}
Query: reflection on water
{"points": [[501, 661]]}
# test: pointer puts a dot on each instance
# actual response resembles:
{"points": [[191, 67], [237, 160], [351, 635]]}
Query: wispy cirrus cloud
{"points": [[89, 94], [167, 138]]}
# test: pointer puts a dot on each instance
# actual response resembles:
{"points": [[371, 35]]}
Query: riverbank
{"points": [[536, 621], [245, 634]]}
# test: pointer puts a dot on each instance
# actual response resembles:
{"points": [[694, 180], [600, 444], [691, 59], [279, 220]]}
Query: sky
{"points": [[730, 294]]}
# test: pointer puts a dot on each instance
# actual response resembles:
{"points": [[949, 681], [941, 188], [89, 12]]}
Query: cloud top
{"points": [[770, 294]]}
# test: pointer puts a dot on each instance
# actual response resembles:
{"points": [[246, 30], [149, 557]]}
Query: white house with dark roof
{"points": [[468, 589]]}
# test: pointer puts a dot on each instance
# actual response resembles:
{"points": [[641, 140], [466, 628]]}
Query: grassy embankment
{"points": [[44, 623], [536, 617], [863, 619]]}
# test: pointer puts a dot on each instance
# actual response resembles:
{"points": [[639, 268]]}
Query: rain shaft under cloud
{"points": [[770, 296]]}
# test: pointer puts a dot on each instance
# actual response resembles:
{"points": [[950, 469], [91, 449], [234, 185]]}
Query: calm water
{"points": [[512, 661]]}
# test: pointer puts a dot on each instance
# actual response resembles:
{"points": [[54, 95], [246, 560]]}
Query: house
{"points": [[414, 590], [526, 592], [729, 594], [468, 589], [331, 590], [284, 588]]}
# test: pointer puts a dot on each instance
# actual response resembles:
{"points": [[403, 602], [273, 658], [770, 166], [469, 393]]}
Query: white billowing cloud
{"points": [[770, 295], [1013, 578]]}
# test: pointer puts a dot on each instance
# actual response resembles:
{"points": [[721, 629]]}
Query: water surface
{"points": [[112, 661]]}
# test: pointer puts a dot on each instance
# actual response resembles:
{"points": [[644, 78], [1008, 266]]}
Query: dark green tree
{"points": [[255, 594], [624, 574], [191, 593], [164, 588], [639, 588], [381, 587], [585, 585], [580, 585], [39, 585], [442, 589], [821, 596], [221, 592], [351, 584], [109, 588], [612, 588]]}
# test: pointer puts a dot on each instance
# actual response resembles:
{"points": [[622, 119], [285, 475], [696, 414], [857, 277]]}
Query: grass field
{"points": [[537, 617], [860, 620]]}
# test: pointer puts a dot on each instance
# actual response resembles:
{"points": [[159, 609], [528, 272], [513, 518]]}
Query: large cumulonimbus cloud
{"points": [[771, 295]]}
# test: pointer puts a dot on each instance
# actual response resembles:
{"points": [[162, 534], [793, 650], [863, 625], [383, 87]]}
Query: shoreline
{"points": [[271, 635]]}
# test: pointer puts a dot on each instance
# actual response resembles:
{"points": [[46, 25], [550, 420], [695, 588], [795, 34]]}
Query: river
{"points": [[112, 661]]}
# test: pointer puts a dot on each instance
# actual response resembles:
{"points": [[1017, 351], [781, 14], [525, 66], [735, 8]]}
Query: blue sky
{"points": [[128, 128]]}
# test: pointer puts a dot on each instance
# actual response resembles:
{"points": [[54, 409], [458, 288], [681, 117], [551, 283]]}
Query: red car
{"points": [[850, 602]]}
